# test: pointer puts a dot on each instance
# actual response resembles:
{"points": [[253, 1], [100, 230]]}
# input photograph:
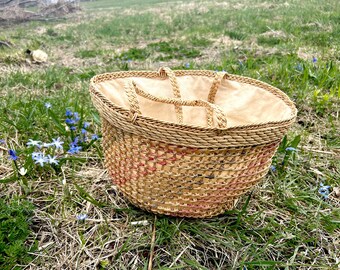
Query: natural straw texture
{"points": [[179, 169]]}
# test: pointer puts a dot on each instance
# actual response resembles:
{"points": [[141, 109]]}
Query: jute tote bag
{"points": [[188, 142]]}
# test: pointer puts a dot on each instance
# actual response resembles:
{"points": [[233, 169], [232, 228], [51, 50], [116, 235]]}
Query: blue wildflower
{"points": [[82, 217], [94, 137], [273, 168], [52, 160], [324, 191], [187, 65], [314, 59], [290, 149], [33, 143], [46, 145], [68, 113], [36, 154], [75, 141], [12, 155], [40, 159], [86, 125], [299, 67], [73, 128], [83, 131], [2, 141], [76, 117], [47, 105], [70, 121], [74, 149], [57, 143]]}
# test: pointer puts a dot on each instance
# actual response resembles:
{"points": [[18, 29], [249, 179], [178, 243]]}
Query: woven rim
{"points": [[190, 135]]}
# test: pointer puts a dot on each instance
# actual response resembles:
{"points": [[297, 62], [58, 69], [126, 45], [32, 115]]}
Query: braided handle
{"points": [[213, 90], [132, 90], [175, 88]]}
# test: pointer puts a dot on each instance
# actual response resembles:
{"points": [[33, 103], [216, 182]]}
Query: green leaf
{"points": [[86, 196], [10, 179], [295, 142], [56, 120], [264, 263]]}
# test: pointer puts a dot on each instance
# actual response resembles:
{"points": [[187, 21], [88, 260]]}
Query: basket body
{"points": [[179, 170], [178, 180]]}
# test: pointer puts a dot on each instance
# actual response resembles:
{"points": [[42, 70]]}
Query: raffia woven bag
{"points": [[188, 142]]}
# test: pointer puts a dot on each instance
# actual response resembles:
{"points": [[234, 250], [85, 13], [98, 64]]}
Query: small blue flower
{"points": [[2, 141], [68, 113], [273, 168], [40, 159], [324, 191], [187, 65], [74, 149], [73, 128], [82, 217], [47, 145], [33, 143], [83, 131], [36, 154], [57, 143], [75, 141], [299, 67], [47, 105], [12, 155], [70, 121], [94, 137], [76, 117], [52, 160], [314, 59], [86, 124], [291, 149]]}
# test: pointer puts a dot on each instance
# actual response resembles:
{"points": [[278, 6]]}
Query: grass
{"points": [[14, 230], [283, 224]]}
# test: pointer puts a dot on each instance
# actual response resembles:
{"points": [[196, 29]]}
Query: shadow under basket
{"points": [[164, 163]]}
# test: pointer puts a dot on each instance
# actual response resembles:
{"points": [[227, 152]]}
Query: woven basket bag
{"points": [[188, 142]]}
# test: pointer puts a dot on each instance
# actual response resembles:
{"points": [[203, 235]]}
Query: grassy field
{"points": [[285, 223]]}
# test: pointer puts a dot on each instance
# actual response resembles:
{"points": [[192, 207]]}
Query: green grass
{"points": [[15, 220], [285, 224]]}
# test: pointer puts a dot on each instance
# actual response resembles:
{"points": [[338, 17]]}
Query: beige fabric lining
{"points": [[242, 103]]}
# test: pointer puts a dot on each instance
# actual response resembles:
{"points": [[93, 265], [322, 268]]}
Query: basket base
{"points": [[181, 210]]}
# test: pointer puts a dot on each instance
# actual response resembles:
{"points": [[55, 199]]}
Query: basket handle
{"points": [[175, 88], [219, 76], [132, 90]]}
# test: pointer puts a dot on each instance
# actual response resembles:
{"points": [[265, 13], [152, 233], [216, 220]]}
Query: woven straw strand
{"points": [[212, 93], [175, 88]]}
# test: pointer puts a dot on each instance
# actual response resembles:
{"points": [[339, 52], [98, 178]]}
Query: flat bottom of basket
{"points": [[182, 210]]}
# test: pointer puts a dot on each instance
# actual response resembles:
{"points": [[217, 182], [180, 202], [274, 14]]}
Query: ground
{"points": [[283, 224]]}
